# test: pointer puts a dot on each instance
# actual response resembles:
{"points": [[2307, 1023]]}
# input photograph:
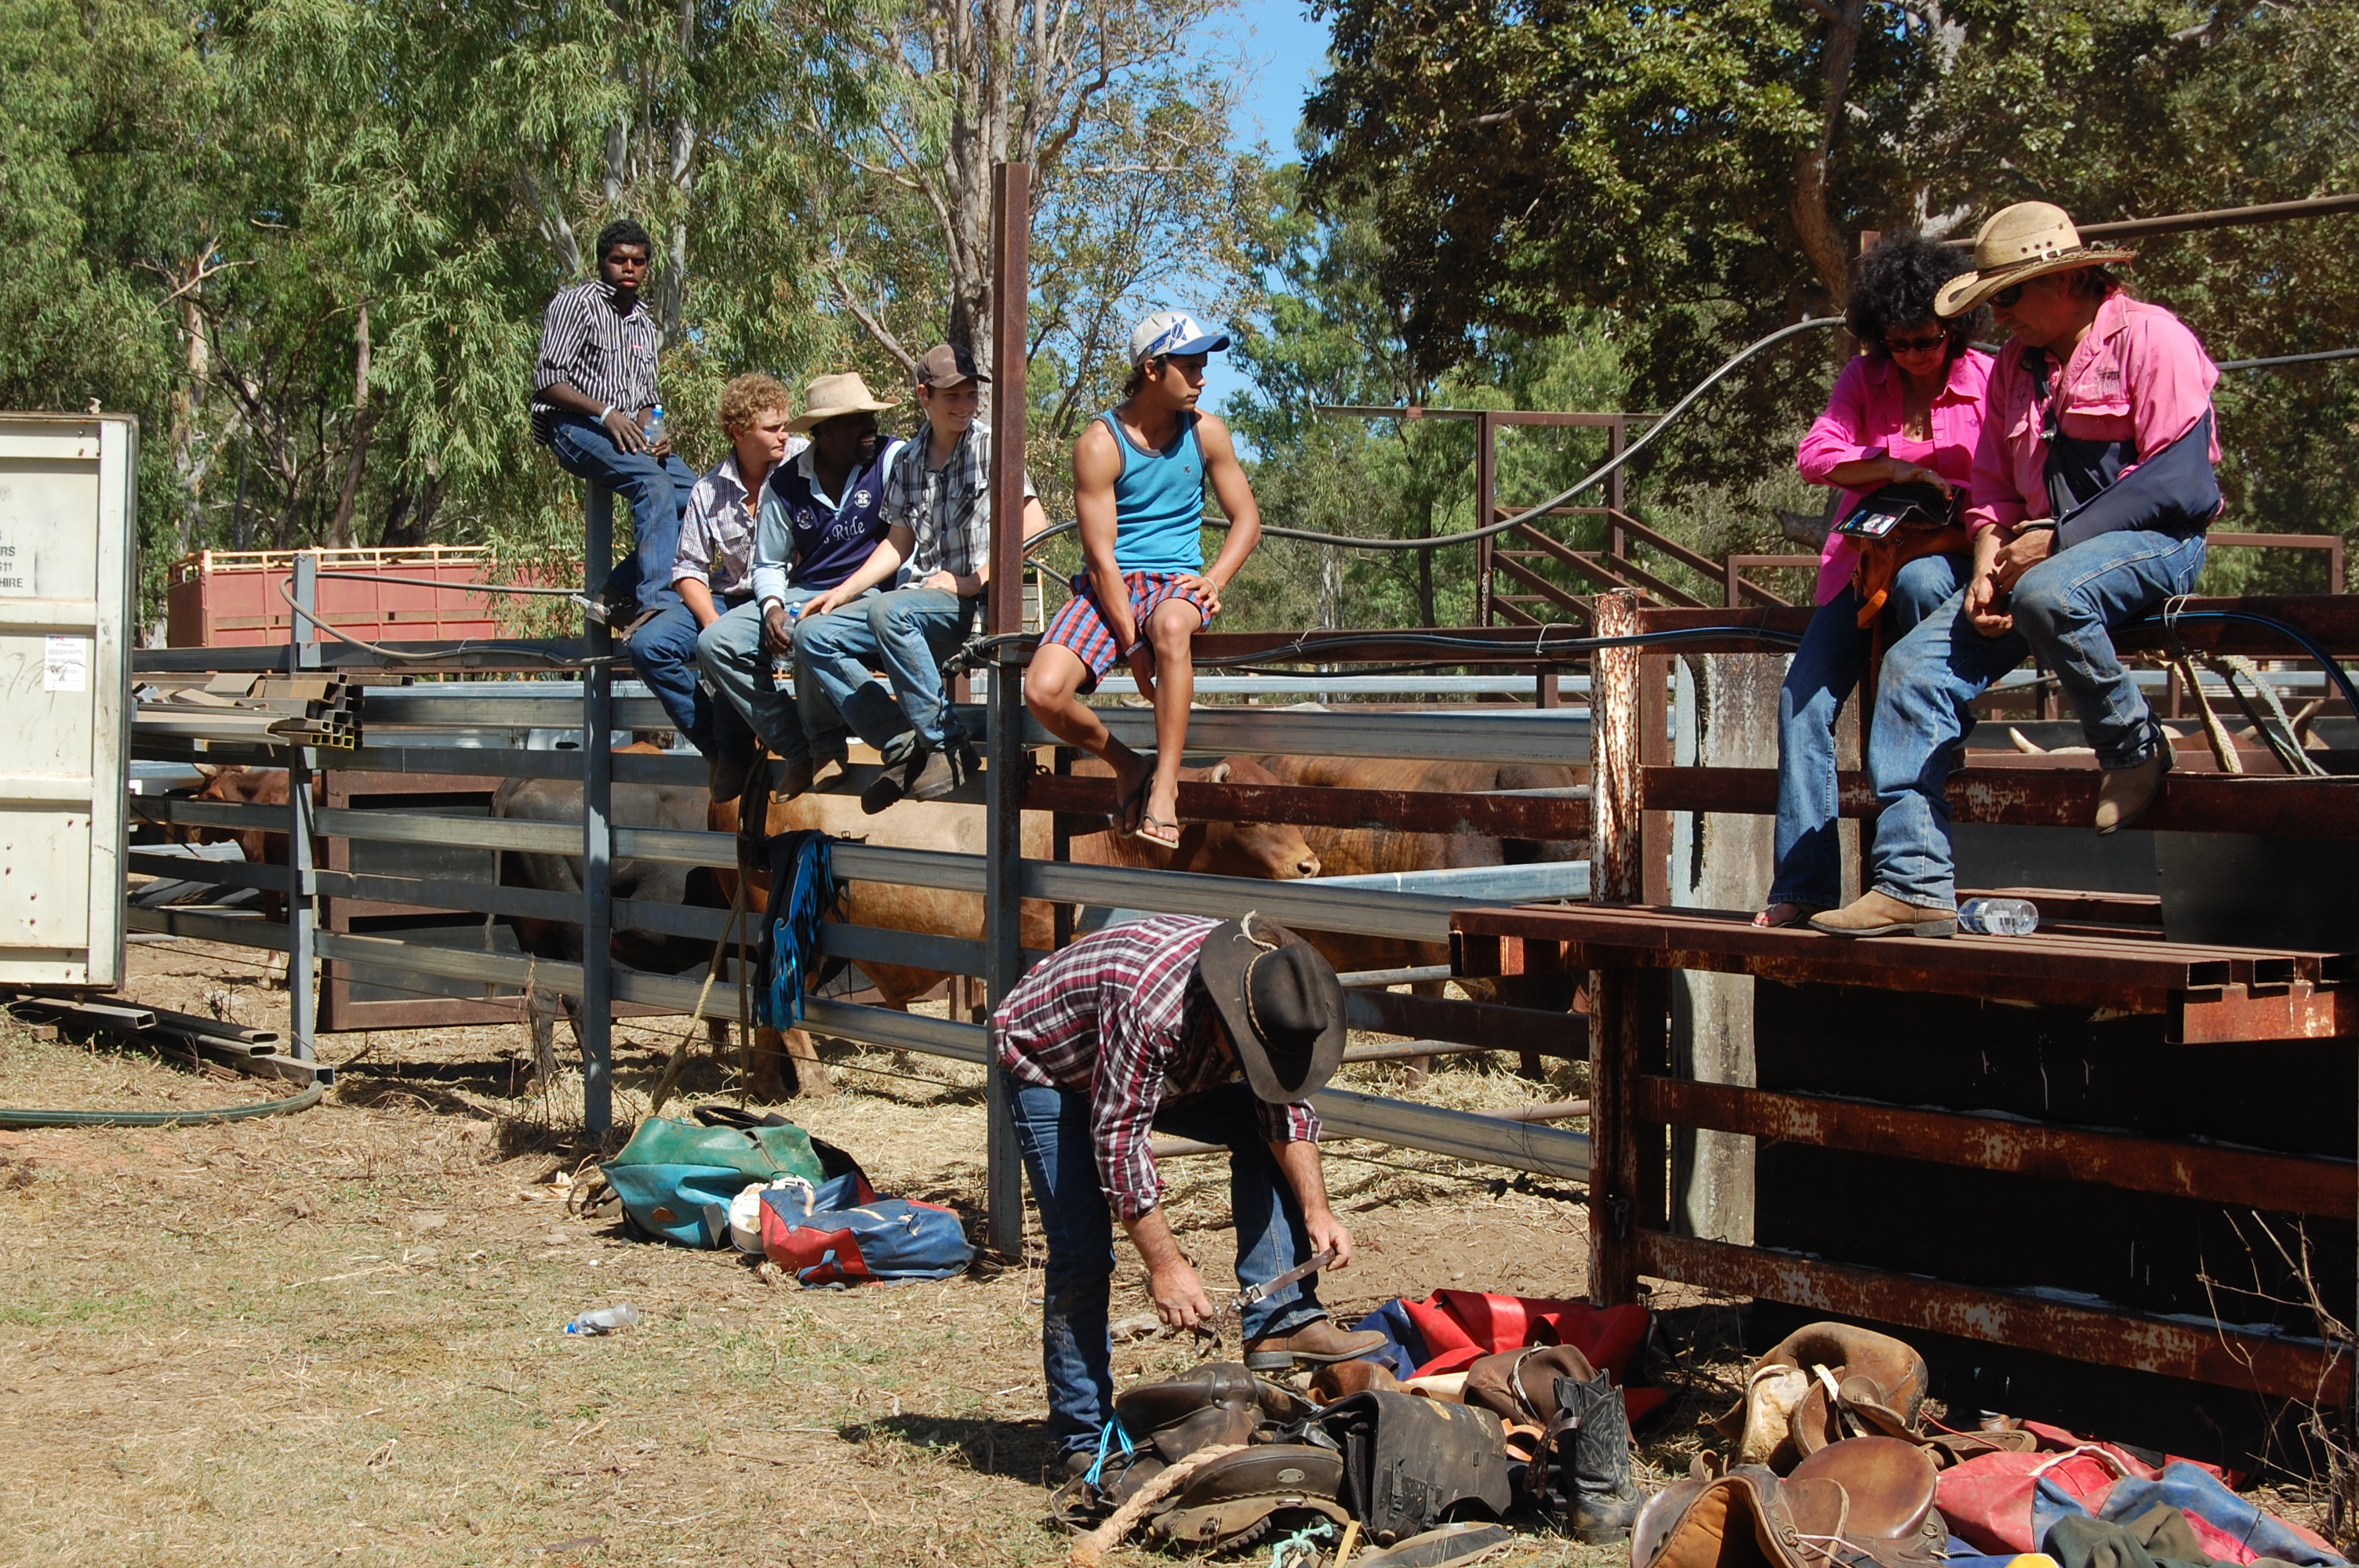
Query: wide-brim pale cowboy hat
{"points": [[2026, 241], [832, 395]]}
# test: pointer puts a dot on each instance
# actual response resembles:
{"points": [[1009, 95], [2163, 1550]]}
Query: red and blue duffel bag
{"points": [[826, 1235]]}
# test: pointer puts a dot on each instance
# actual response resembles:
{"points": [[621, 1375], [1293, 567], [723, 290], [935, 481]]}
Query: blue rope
{"points": [[1317, 1530], [1106, 1440]]}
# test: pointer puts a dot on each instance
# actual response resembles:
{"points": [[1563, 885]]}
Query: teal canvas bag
{"points": [[676, 1178]]}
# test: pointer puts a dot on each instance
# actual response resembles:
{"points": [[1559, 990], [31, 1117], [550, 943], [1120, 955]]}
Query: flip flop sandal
{"points": [[1130, 800], [1151, 837], [1802, 916]]}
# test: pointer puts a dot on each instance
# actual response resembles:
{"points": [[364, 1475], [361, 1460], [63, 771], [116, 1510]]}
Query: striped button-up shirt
{"points": [[607, 356], [948, 508], [1118, 1017]]}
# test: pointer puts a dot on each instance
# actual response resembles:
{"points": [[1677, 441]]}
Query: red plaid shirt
{"points": [[1115, 1017]]}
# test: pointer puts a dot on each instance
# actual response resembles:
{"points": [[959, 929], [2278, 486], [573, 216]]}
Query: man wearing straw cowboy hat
{"points": [[2093, 486], [822, 514], [1215, 1030]]}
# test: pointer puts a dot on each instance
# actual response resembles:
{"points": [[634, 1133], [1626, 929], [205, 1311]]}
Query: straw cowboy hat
{"points": [[830, 396], [2026, 241]]}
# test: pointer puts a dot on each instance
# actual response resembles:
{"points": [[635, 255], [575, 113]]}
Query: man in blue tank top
{"points": [[1139, 473], [822, 513]]}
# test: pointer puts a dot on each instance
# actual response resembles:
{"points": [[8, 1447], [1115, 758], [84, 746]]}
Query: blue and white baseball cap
{"points": [[1172, 332]]}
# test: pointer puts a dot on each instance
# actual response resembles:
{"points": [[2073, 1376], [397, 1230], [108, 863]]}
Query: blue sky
{"points": [[1285, 54]]}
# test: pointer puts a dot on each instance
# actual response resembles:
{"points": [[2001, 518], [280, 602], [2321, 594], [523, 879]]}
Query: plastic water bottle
{"points": [[655, 425], [605, 1320], [1998, 917]]}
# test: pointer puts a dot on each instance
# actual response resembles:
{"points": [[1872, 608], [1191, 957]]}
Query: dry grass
{"points": [[334, 1337]]}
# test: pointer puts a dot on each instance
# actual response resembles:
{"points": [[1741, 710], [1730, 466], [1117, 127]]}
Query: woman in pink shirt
{"points": [[1907, 411]]}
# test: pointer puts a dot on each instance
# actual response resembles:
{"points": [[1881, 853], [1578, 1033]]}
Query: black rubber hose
{"points": [[2293, 635], [10, 1116]]}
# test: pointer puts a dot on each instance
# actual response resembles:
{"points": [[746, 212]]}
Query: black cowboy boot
{"points": [[1587, 1456]]}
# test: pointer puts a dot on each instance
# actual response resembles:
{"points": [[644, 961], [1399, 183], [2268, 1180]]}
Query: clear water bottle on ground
{"points": [[605, 1320], [1998, 917], [655, 425]]}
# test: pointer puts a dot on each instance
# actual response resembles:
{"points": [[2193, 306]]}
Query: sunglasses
{"points": [[2006, 298], [1916, 345]]}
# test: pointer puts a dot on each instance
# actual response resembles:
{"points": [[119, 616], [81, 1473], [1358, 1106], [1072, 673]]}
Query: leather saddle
{"points": [[1825, 1382], [1219, 1401], [1232, 1501], [1866, 1502], [1519, 1386]]}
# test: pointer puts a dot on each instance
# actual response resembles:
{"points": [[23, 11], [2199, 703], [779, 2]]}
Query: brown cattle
{"points": [[234, 783], [1247, 850], [1362, 851]]}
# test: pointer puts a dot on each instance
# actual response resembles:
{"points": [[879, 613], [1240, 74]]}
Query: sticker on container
{"points": [[66, 664]]}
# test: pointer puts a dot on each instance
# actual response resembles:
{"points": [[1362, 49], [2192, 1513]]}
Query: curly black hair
{"points": [[1893, 285], [623, 231]]}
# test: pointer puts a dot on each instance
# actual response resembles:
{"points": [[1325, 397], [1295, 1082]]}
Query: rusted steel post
{"points": [[1485, 511], [1003, 907], [1616, 997]]}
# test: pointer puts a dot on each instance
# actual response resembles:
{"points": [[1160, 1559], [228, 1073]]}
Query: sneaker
{"points": [[1314, 1344], [1881, 914]]}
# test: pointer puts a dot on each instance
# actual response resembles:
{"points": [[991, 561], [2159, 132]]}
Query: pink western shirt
{"points": [[2138, 375], [1863, 420]]}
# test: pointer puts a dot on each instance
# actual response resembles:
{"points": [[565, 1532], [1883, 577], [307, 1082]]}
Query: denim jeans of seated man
{"points": [[658, 491], [731, 653], [663, 651], [1825, 672], [2063, 608], [1052, 1128], [908, 633]]}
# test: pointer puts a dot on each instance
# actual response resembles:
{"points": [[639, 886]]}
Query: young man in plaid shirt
{"points": [[1217, 1031], [939, 509]]}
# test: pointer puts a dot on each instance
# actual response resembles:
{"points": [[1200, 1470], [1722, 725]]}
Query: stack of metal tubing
{"points": [[241, 709]]}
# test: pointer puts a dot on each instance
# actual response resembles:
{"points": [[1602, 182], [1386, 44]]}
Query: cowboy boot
{"points": [[1591, 1446]]}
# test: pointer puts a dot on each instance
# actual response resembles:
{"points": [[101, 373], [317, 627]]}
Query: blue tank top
{"points": [[1158, 502]]}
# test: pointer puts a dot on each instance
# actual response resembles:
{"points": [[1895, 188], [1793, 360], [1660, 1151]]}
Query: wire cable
{"points": [[11, 1116], [1612, 465], [439, 656]]}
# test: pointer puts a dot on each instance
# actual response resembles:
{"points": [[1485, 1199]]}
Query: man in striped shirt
{"points": [[1214, 1031], [592, 396]]}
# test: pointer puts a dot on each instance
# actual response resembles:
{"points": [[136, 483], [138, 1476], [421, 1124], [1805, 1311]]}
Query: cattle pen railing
{"points": [[442, 713]]}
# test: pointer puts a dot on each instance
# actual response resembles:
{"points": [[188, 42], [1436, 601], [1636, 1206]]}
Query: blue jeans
{"points": [[1826, 669], [907, 632], [733, 660], [664, 653], [658, 492], [2063, 609], [1052, 1127]]}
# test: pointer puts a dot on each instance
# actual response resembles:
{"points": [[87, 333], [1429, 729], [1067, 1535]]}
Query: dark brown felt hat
{"points": [[1281, 1002]]}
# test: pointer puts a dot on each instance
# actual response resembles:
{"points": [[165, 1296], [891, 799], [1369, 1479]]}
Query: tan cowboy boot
{"points": [[1315, 1344], [1881, 914], [2123, 794]]}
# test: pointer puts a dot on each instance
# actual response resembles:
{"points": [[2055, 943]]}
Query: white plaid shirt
{"points": [[948, 508]]}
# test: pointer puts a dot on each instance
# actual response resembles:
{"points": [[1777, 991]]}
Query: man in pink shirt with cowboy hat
{"points": [[2093, 485]]}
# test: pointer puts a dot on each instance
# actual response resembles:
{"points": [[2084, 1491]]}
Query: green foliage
{"points": [[1698, 174]]}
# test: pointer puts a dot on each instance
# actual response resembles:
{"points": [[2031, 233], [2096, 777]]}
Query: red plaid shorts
{"points": [[1078, 625]]}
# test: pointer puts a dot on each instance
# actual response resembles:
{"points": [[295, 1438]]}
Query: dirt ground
{"points": [[335, 1337]]}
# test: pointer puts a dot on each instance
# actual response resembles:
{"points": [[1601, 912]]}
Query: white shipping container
{"points": [[68, 515]]}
